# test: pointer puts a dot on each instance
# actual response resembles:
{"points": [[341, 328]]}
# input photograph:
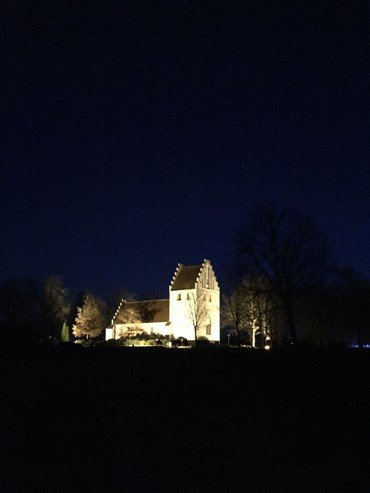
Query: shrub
{"points": [[203, 341], [85, 342], [142, 339], [180, 341]]}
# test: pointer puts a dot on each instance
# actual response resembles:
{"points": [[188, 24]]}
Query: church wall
{"points": [[181, 325], [152, 327], [210, 305], [109, 333], [181, 318], [214, 313], [209, 293]]}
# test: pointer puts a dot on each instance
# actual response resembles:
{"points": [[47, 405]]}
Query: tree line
{"points": [[281, 285], [33, 310]]}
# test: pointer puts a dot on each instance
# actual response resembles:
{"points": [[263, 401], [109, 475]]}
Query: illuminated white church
{"points": [[191, 311]]}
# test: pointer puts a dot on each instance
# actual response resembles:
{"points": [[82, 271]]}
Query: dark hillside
{"points": [[184, 420]]}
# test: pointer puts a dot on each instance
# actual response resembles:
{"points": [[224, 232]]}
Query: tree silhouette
{"points": [[20, 313], [235, 310], [287, 250], [55, 306]]}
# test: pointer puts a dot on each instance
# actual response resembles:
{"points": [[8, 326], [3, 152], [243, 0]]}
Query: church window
{"points": [[208, 329], [188, 296], [210, 297], [179, 297]]}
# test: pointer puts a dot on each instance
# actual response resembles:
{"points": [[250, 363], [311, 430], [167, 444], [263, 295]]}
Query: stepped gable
{"points": [[117, 312], [185, 277], [151, 310]]}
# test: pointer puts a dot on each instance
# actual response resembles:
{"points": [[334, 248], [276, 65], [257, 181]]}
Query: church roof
{"points": [[150, 310], [186, 277]]}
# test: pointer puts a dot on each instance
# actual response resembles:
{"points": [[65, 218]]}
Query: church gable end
{"points": [[207, 278]]}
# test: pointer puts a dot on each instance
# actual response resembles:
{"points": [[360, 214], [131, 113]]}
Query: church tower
{"points": [[195, 302]]}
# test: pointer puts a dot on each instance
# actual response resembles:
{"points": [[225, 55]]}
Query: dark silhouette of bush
{"points": [[203, 341], [180, 341]]}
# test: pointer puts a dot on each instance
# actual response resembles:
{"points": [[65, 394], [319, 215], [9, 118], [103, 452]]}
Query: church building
{"points": [[192, 309]]}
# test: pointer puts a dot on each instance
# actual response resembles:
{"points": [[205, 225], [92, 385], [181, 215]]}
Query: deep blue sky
{"points": [[135, 135]]}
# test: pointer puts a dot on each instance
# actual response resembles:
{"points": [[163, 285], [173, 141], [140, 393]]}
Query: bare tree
{"points": [[252, 308], [287, 250], [115, 298], [197, 312], [262, 310], [235, 310], [131, 319], [55, 306], [91, 319]]}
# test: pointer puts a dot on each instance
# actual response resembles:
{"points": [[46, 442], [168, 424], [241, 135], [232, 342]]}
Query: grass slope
{"points": [[126, 419]]}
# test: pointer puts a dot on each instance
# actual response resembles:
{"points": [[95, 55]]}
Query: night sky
{"points": [[135, 135]]}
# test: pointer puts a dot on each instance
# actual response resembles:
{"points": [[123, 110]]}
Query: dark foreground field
{"points": [[122, 419]]}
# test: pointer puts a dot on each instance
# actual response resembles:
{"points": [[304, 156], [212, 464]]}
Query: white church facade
{"points": [[191, 311]]}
